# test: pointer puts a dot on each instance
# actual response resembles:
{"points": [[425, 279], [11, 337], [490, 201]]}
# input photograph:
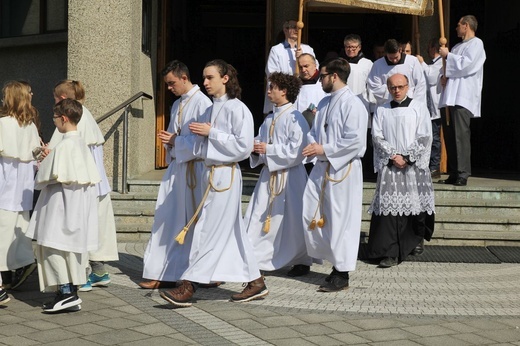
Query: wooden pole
{"points": [[417, 35], [442, 42], [299, 25]]}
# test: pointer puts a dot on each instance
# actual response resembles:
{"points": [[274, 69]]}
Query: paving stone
{"points": [[442, 340], [371, 323], [503, 335], [349, 338], [16, 329], [155, 329], [414, 304], [87, 329], [115, 337], [459, 327], [41, 324], [280, 321], [292, 342], [247, 324], [431, 330], [342, 326], [323, 340], [385, 334], [17, 340], [53, 335], [313, 329], [473, 339], [119, 323], [142, 318], [158, 341], [276, 333], [75, 342]]}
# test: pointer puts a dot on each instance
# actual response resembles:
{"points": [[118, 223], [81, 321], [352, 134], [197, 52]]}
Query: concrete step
{"points": [[482, 213]]}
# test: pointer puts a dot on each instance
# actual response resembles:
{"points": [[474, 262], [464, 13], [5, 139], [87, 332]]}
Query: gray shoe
{"points": [[336, 283], [388, 262]]}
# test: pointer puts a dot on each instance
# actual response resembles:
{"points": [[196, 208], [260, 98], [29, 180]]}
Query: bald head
{"points": [[397, 86]]}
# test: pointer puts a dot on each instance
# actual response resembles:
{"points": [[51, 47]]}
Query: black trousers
{"points": [[457, 136]]}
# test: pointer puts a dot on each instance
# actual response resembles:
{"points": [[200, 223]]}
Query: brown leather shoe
{"points": [[253, 290], [155, 284], [181, 295]]}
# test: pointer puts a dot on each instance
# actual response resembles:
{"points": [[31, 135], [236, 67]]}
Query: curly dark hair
{"points": [[287, 82], [233, 89]]}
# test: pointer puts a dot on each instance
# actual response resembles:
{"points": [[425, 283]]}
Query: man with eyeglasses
{"points": [[462, 94], [395, 61], [403, 206], [357, 81], [282, 57], [332, 200], [359, 67]]}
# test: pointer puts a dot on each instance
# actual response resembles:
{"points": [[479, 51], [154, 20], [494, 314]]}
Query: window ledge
{"points": [[32, 40]]}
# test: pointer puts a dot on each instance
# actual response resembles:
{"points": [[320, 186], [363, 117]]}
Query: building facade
{"points": [[118, 47]]}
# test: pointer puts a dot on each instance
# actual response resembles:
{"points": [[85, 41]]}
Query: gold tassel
{"points": [[267, 224], [181, 235], [312, 225], [321, 222]]}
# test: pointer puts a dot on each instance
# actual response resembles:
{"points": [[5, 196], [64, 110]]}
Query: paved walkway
{"points": [[415, 303]]}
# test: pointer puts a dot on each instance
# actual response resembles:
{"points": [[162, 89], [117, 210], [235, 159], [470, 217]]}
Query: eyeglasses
{"points": [[397, 87], [352, 47], [323, 75], [291, 27]]}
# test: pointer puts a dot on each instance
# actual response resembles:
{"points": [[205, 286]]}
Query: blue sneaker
{"points": [[97, 280], [86, 287]]}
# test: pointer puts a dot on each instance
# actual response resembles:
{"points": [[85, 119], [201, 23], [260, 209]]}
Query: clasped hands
{"points": [[399, 161]]}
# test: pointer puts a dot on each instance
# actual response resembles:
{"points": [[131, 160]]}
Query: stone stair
{"points": [[486, 212]]}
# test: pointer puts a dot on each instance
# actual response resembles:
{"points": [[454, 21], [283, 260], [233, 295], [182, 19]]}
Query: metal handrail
{"points": [[126, 106]]}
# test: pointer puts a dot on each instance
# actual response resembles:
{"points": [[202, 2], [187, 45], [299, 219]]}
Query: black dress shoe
{"points": [[332, 273], [461, 182], [388, 262], [451, 180], [299, 270], [419, 249]]}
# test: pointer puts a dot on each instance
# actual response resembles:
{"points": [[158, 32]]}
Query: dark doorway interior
{"points": [[327, 30], [203, 30]]}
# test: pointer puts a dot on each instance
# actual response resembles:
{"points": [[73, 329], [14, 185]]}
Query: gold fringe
{"points": [[267, 224], [321, 222], [180, 237], [416, 7]]}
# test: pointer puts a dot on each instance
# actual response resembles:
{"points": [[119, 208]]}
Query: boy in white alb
{"points": [[274, 214], [91, 133], [64, 222]]}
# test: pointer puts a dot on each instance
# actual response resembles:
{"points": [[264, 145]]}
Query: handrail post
{"points": [[125, 151], [126, 106]]}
